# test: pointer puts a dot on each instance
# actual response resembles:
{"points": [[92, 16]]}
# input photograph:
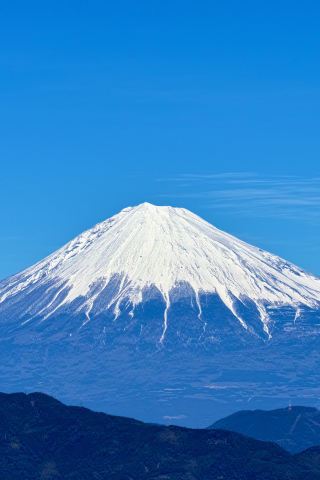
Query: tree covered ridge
{"points": [[294, 429], [41, 438]]}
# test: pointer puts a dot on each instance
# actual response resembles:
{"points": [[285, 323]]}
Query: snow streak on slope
{"points": [[162, 246]]}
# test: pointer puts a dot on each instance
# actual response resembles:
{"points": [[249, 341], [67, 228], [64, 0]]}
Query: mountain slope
{"points": [[157, 314], [42, 438], [295, 428], [160, 247]]}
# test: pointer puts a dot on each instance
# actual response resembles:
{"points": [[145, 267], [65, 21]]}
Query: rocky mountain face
{"points": [[42, 438], [157, 314]]}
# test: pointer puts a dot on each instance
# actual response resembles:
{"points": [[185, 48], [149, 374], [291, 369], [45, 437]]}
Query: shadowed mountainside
{"points": [[294, 429], [41, 438]]}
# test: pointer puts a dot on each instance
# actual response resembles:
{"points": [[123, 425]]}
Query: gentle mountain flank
{"points": [[293, 428]]}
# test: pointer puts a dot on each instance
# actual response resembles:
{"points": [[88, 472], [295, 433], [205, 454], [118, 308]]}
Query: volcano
{"points": [[155, 312]]}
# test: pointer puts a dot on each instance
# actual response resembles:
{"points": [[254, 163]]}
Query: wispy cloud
{"points": [[251, 194], [177, 417]]}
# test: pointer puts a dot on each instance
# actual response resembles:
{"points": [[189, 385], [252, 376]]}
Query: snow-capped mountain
{"points": [[168, 297], [162, 247]]}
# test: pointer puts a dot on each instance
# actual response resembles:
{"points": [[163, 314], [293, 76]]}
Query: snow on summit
{"points": [[162, 246]]}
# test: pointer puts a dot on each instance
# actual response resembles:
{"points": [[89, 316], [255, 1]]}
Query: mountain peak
{"points": [[153, 209], [163, 247]]}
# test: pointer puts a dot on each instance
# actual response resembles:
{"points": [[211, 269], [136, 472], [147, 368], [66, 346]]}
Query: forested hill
{"points": [[295, 428], [41, 438]]}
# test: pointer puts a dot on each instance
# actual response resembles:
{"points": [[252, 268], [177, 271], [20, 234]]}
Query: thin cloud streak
{"points": [[248, 193]]}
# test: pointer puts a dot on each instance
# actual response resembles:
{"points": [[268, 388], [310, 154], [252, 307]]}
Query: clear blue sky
{"points": [[213, 106]]}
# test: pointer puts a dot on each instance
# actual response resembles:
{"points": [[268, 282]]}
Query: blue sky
{"points": [[212, 106]]}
